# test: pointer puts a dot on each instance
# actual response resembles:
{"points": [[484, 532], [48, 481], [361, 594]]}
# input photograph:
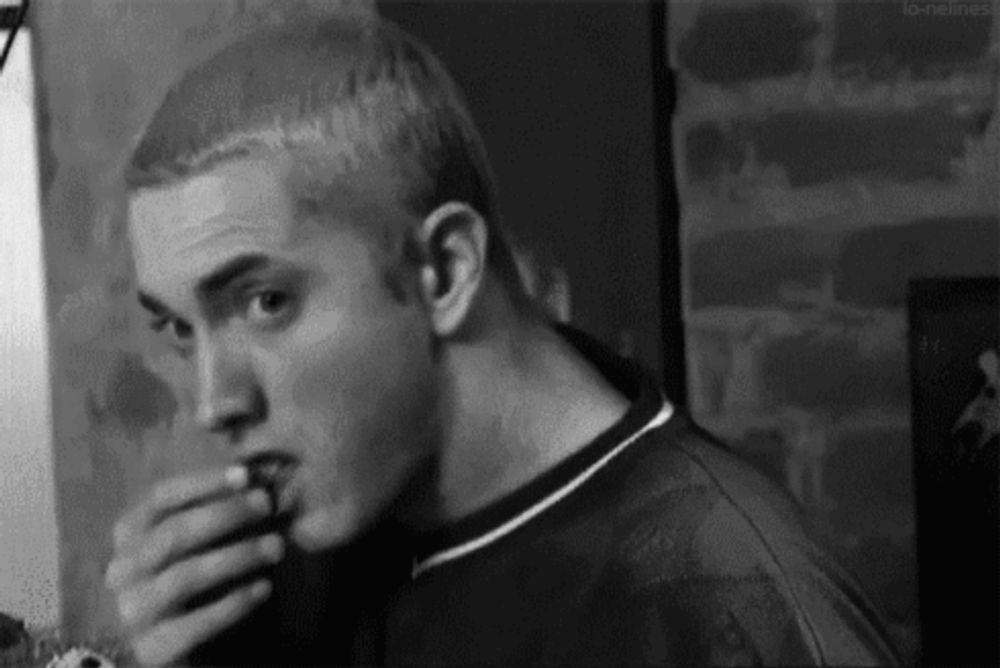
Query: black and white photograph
{"points": [[499, 333]]}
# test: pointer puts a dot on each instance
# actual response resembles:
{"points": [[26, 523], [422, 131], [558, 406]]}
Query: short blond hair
{"points": [[348, 89]]}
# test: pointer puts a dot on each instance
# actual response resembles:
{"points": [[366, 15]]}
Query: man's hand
{"points": [[167, 553]]}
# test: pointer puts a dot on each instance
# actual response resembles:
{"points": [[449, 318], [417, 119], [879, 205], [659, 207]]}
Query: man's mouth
{"points": [[271, 471]]}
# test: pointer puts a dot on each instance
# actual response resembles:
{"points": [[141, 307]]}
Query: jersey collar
{"points": [[649, 409]]}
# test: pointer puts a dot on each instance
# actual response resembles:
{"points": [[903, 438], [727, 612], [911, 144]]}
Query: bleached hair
{"points": [[350, 91]]}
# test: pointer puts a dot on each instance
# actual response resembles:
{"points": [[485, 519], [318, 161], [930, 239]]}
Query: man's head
{"points": [[312, 218], [348, 99]]}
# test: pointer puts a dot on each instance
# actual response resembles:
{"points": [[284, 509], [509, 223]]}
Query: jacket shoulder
{"points": [[711, 546]]}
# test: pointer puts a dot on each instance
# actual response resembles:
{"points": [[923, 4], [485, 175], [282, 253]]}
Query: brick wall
{"points": [[102, 65], [827, 152]]}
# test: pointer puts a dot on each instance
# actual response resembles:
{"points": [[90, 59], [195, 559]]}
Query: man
{"points": [[451, 479]]}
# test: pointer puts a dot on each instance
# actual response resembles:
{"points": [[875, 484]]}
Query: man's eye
{"points": [[177, 329], [268, 305]]}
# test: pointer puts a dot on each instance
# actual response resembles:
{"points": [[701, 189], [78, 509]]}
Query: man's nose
{"points": [[230, 400]]}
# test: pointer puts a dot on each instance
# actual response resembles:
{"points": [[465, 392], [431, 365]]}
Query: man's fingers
{"points": [[186, 532], [179, 517], [176, 588], [169, 642], [173, 495]]}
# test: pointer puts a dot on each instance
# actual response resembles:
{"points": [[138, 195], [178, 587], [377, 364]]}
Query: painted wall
{"points": [[827, 152], [560, 90], [102, 66], [823, 157]]}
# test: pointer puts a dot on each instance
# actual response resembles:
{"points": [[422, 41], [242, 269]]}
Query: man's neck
{"points": [[520, 402]]}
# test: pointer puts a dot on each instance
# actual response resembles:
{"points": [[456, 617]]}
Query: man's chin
{"points": [[324, 530]]}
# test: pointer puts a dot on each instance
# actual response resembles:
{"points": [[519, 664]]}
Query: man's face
{"points": [[290, 338]]}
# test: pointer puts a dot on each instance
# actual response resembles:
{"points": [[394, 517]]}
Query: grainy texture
{"points": [[801, 224], [854, 146], [103, 65], [562, 94]]}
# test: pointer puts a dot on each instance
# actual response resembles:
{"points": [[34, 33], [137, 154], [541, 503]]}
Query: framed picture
{"points": [[954, 346]]}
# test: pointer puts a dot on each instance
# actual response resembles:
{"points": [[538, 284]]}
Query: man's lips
{"points": [[271, 471]]}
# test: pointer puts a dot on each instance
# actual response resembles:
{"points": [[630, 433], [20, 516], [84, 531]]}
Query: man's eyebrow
{"points": [[212, 284], [233, 269]]}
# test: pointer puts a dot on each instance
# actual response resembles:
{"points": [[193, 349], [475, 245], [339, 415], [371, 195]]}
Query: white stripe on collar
{"points": [[458, 551]]}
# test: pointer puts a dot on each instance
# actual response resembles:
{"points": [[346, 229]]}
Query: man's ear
{"points": [[454, 238]]}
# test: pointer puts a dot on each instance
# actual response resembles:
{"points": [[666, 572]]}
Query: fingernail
{"points": [[237, 476], [260, 589], [272, 547]]}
